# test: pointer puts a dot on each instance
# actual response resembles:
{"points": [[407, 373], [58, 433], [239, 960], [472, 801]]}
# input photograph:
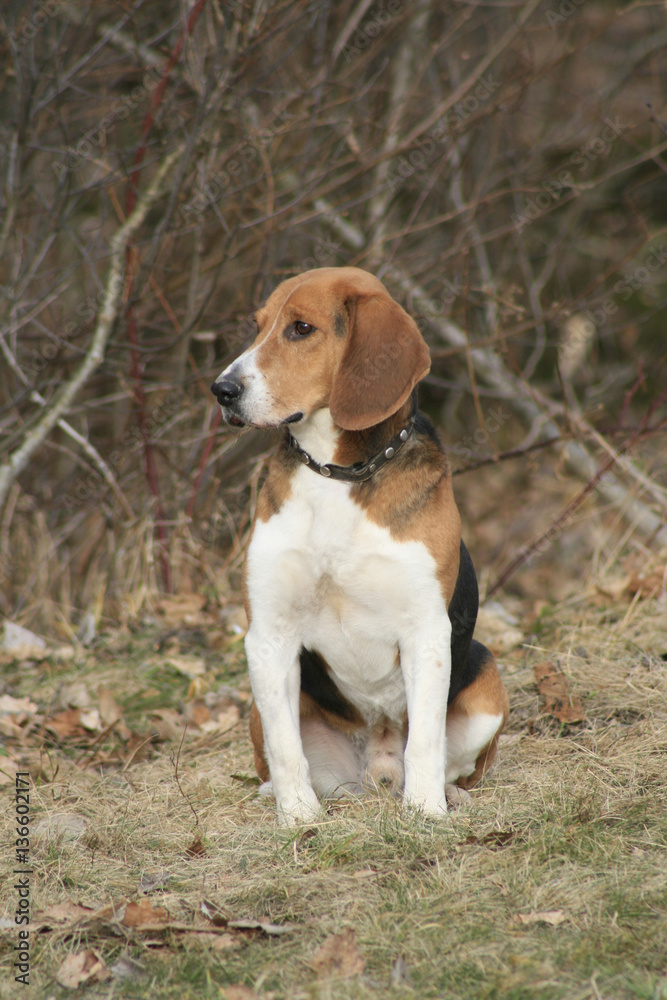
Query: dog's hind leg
{"points": [[475, 719]]}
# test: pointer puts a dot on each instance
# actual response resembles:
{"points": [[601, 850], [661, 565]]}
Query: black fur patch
{"points": [[317, 682], [340, 325], [468, 655]]}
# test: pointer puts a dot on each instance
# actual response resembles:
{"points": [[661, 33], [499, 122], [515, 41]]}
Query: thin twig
{"points": [[64, 398]]}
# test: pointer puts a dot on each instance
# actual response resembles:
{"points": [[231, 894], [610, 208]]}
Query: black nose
{"points": [[226, 391]]}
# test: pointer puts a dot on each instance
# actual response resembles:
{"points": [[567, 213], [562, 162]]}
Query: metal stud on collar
{"points": [[359, 473]]}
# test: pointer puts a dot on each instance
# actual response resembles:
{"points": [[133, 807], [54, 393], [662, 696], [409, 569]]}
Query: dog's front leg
{"points": [[426, 665], [275, 675]]}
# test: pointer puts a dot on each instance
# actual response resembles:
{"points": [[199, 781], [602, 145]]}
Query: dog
{"points": [[360, 594]]}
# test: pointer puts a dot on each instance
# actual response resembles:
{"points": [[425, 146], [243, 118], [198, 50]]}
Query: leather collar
{"points": [[360, 472]]}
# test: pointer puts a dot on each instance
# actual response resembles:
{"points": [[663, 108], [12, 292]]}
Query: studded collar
{"points": [[360, 472]]}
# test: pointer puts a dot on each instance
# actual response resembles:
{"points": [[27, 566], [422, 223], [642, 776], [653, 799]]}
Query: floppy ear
{"points": [[385, 356]]}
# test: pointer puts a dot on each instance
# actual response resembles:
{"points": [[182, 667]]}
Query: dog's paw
{"points": [[457, 797], [304, 808], [430, 805]]}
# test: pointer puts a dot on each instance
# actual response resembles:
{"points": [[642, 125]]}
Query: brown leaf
{"points": [[217, 942], [66, 724], [197, 713], [86, 966], [338, 956], [213, 912], [67, 912], [143, 913], [196, 849], [495, 838], [553, 917], [110, 710], [648, 584], [557, 699], [168, 723], [184, 608], [138, 748]]}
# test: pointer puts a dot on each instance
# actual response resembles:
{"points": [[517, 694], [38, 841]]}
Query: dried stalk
{"points": [[64, 398]]}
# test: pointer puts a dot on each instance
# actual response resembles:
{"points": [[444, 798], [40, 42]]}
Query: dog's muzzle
{"points": [[228, 391]]}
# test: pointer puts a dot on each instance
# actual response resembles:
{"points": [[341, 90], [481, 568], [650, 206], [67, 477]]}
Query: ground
{"points": [[157, 870]]}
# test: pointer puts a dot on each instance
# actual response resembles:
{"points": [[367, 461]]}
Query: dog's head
{"points": [[329, 337]]}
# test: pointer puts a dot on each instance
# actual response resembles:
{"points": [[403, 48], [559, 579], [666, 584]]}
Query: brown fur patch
{"points": [[487, 695], [257, 737], [362, 359], [277, 486]]}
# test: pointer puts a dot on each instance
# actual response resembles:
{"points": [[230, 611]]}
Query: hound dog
{"points": [[361, 597]]}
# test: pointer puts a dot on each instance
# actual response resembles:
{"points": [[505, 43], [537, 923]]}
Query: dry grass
{"points": [[571, 820]]}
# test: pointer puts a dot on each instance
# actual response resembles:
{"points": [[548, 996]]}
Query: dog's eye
{"points": [[303, 329]]}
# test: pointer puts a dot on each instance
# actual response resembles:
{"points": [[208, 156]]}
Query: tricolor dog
{"points": [[361, 596]]}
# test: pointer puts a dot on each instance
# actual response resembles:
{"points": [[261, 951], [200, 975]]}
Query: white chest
{"points": [[348, 589]]}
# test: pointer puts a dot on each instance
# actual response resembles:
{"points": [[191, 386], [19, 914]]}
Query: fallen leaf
{"points": [[69, 826], [222, 720], [19, 708], [648, 584], [399, 973], [68, 912], [127, 967], [74, 695], [214, 913], [84, 967], [498, 628], [90, 719], [191, 666], [23, 644], [139, 747], [338, 956], [262, 924], [614, 587], [110, 710], [246, 779], [557, 698], [184, 608], [168, 723], [217, 942], [150, 883], [553, 917], [198, 713], [66, 724], [495, 838], [143, 914], [196, 849]]}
